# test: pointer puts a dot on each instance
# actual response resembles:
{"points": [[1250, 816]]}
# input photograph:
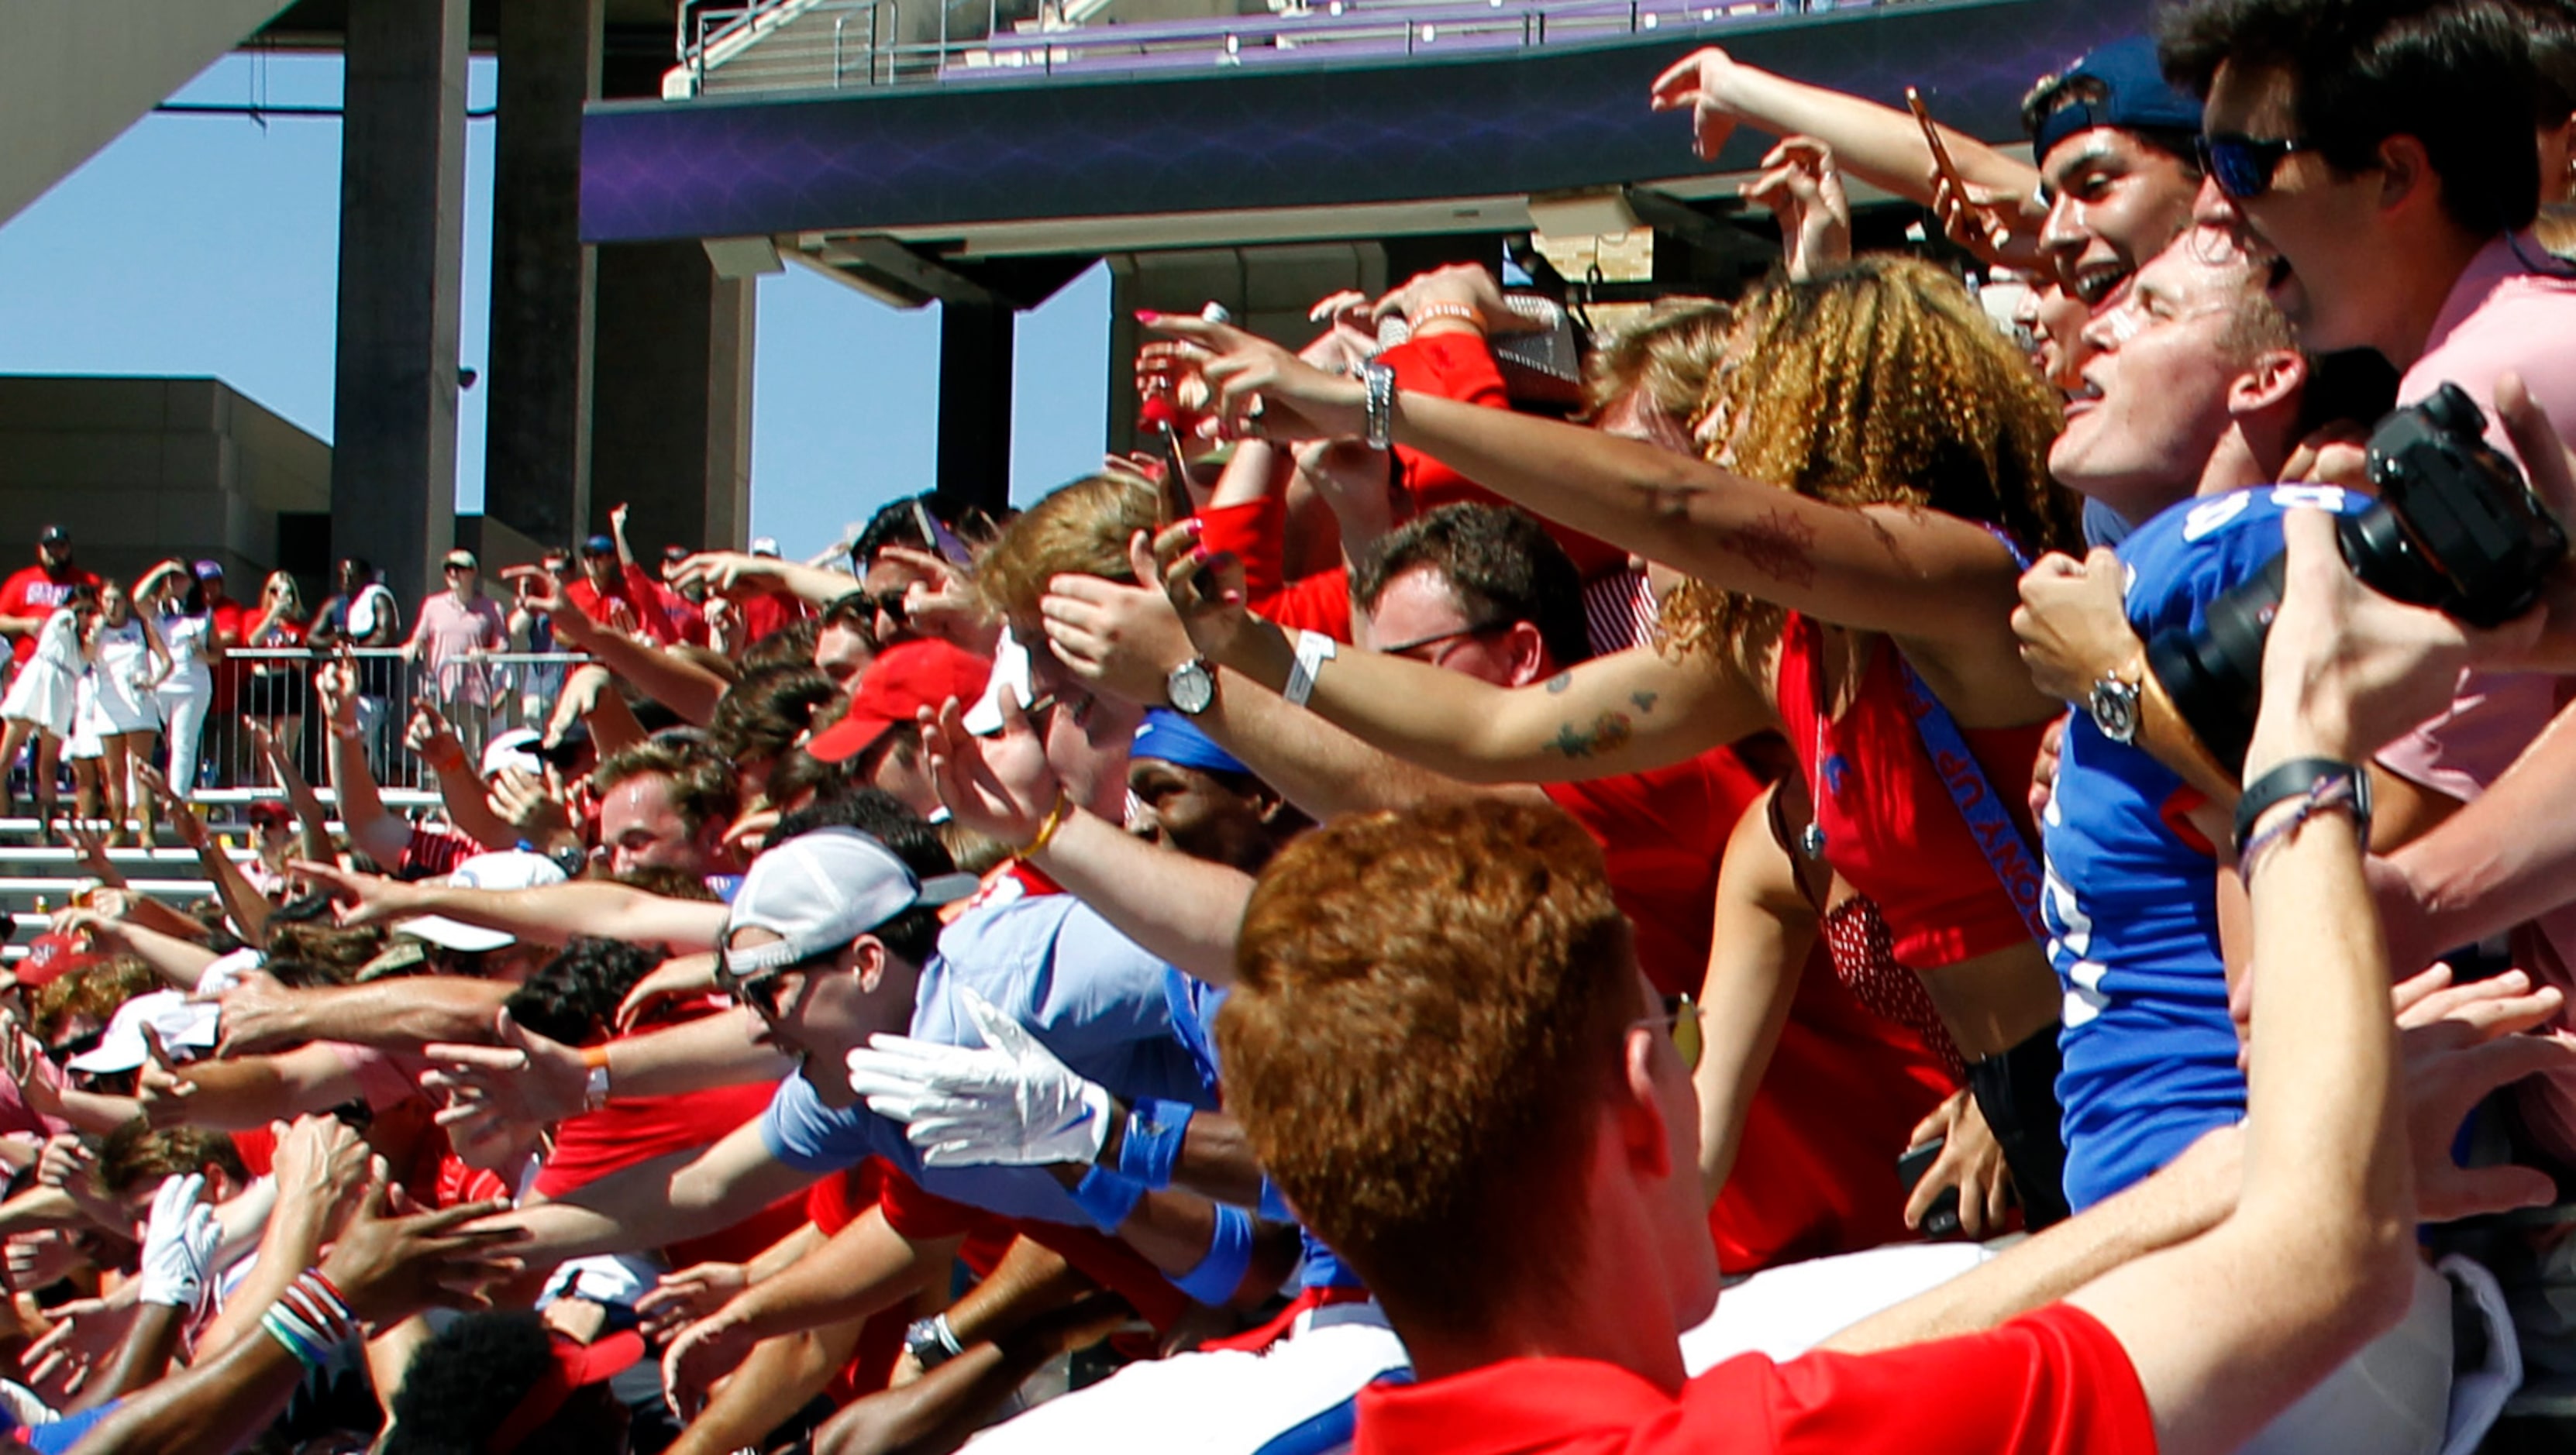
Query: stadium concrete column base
{"points": [[402, 184], [537, 437]]}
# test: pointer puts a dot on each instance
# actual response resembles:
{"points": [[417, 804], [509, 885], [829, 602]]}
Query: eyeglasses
{"points": [[1681, 1015], [2241, 165], [1408, 649], [759, 989]]}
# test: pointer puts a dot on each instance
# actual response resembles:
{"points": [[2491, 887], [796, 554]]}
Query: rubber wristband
{"points": [[1314, 649], [1150, 1147], [1106, 1198], [1229, 1255], [2311, 778], [286, 1339], [1047, 828]]}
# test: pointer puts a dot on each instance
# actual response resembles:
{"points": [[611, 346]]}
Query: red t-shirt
{"points": [[639, 1129], [1815, 1167], [1459, 366], [1254, 531], [768, 612], [231, 620], [1663, 833], [2050, 1381], [639, 592], [684, 615], [35, 591], [434, 850]]}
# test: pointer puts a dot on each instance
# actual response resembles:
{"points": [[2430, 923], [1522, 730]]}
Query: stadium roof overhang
{"points": [[971, 190]]}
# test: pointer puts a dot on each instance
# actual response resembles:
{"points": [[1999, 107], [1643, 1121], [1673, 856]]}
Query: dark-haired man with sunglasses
{"points": [[2382, 160]]}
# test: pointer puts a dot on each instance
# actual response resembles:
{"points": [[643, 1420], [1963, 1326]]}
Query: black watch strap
{"points": [[2299, 778]]}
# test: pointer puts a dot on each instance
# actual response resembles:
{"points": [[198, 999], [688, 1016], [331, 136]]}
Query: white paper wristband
{"points": [[1314, 649]]}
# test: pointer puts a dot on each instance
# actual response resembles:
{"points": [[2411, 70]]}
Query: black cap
{"points": [[53, 535]]}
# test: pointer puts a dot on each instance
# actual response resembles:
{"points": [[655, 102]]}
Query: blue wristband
{"points": [[1229, 1254], [1106, 1198], [1150, 1147]]}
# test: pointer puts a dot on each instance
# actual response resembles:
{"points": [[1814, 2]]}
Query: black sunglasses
{"points": [[2241, 165], [759, 989]]}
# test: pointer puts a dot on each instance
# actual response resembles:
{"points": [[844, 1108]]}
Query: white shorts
{"points": [[1212, 1403]]}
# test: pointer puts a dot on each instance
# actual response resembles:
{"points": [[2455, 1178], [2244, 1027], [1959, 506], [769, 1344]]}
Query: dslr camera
{"points": [[2455, 528]]}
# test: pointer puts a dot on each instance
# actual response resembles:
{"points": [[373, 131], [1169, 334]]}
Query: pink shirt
{"points": [[447, 630], [2503, 316]]}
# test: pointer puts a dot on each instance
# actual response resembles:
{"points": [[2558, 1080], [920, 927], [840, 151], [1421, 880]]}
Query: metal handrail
{"points": [[788, 57]]}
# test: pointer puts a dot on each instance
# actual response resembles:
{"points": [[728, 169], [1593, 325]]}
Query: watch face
{"points": [[2114, 706], [1191, 688]]}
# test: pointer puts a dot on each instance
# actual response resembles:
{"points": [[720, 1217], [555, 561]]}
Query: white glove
{"points": [[177, 1244], [1010, 1102]]}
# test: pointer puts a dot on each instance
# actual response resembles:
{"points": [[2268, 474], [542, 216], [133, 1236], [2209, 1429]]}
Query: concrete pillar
{"points": [[402, 184], [975, 405], [537, 441], [671, 397]]}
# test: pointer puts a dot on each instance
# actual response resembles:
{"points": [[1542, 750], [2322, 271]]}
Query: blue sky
{"points": [[208, 246]]}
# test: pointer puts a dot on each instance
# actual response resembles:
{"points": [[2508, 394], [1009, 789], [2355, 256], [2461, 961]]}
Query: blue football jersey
{"points": [[2131, 901]]}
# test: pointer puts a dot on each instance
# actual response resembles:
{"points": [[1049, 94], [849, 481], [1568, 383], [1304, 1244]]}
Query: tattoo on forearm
{"points": [[1777, 545], [1608, 733], [1560, 682], [1645, 700]]}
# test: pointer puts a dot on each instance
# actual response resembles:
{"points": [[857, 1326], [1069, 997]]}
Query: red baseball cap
{"points": [[902, 680], [51, 956]]}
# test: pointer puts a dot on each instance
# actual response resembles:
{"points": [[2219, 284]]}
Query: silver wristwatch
{"points": [[1378, 424], [2114, 708], [1191, 687]]}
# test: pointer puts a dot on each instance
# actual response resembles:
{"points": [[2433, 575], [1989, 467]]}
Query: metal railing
{"points": [[786, 44], [481, 696], [811, 44]]}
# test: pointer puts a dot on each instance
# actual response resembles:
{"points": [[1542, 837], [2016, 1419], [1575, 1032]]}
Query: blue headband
{"points": [[1175, 739]]}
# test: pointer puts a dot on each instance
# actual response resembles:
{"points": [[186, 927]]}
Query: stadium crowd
{"points": [[1925, 868]]}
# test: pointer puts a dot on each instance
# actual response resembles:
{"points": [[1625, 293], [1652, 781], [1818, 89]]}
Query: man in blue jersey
{"points": [[2195, 403]]}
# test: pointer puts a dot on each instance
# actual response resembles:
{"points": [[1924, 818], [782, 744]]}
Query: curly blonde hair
{"points": [[1878, 383]]}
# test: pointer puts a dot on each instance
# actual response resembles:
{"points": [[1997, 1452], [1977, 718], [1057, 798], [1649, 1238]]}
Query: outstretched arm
{"points": [[1127, 639], [1920, 575], [259, 1014], [677, 683], [1623, 713], [551, 915]]}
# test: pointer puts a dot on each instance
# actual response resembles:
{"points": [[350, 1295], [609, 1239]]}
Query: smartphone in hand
{"points": [[1943, 169], [1941, 1219]]}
